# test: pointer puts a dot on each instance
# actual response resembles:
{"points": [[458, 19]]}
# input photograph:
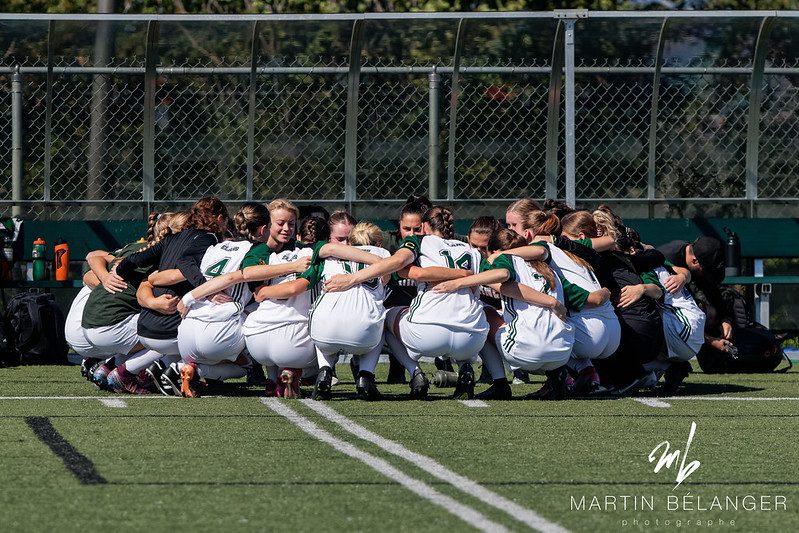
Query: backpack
{"points": [[37, 329], [757, 349], [8, 354]]}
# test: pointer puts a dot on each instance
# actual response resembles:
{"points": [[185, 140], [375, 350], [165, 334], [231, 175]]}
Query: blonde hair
{"points": [[366, 234], [249, 218], [605, 224], [282, 203]]}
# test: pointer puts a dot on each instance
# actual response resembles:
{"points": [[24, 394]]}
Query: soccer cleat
{"points": [[189, 381], [419, 385], [156, 371], [86, 367], [674, 376], [647, 380], [554, 387], [290, 381], [587, 383], [99, 375], [321, 389], [366, 386], [270, 390], [354, 367], [500, 390], [145, 380], [119, 383], [520, 376], [333, 376], [170, 381], [485, 375], [464, 388], [443, 364], [255, 375]]}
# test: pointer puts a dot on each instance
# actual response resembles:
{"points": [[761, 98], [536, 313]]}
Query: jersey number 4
{"points": [[463, 262], [217, 268]]}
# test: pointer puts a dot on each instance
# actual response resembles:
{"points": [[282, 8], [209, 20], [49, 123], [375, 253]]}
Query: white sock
{"points": [[221, 371], [141, 360], [326, 359], [401, 353], [492, 360], [368, 361]]}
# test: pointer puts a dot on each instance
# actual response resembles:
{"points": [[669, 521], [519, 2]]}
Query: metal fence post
{"points": [[753, 118], [568, 50], [653, 122], [433, 148], [148, 133], [251, 111], [48, 113], [351, 124], [553, 116], [453, 109], [17, 167]]}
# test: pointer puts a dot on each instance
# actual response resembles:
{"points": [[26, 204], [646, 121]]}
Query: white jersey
{"points": [[531, 327], [566, 267], [273, 314], [361, 306], [683, 320], [219, 259], [460, 310]]}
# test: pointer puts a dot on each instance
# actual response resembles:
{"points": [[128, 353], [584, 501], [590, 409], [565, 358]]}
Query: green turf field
{"points": [[244, 464]]}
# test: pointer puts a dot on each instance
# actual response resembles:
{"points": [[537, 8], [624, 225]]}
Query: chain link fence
{"points": [[672, 114]]}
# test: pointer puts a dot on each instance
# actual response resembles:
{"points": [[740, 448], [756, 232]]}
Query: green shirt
{"points": [[106, 309]]}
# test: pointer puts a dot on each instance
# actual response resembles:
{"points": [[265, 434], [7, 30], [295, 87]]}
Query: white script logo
{"points": [[668, 459]]}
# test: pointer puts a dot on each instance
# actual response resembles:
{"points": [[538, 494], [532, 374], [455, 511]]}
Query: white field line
{"points": [[461, 511], [113, 403], [473, 403], [93, 398], [731, 398], [652, 402], [464, 484]]}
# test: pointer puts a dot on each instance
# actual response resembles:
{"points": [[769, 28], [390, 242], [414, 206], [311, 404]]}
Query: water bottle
{"points": [[443, 379], [61, 260], [732, 254], [39, 266]]}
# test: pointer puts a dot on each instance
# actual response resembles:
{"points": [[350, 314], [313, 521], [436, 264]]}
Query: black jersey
{"points": [[183, 251]]}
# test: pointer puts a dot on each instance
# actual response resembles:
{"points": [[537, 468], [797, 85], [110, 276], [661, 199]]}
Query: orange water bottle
{"points": [[61, 260]]}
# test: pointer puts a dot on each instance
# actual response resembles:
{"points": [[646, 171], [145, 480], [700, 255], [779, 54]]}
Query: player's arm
{"points": [[518, 291], [165, 278], [266, 272], [98, 262], [432, 274], [165, 304], [90, 280], [341, 282], [678, 280], [528, 253], [497, 275], [632, 293], [348, 253], [597, 298], [281, 291]]}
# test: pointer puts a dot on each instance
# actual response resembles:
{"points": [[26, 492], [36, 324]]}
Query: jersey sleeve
{"points": [[315, 260], [585, 242], [543, 245], [414, 244], [574, 295], [258, 255], [313, 274], [506, 262]]}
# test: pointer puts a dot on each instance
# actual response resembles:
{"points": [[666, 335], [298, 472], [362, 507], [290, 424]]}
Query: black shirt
{"points": [[183, 251]]}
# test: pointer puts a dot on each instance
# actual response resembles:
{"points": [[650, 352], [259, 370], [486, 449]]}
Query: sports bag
{"points": [[36, 326]]}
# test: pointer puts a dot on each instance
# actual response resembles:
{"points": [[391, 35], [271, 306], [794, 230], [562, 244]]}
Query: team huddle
{"points": [[207, 298]]}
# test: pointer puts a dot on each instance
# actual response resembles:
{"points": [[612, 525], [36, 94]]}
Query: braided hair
{"points": [[314, 229], [441, 221]]}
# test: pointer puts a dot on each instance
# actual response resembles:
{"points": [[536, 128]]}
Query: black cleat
{"points": [[255, 375], [485, 375], [500, 390], [354, 368], [366, 387], [419, 385], [464, 389], [520, 376], [86, 367], [324, 382], [554, 387], [674, 376], [156, 371], [443, 364], [170, 381]]}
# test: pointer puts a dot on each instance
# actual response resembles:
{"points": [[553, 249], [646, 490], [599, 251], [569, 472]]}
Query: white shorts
{"points": [[684, 338], [210, 342], [162, 346], [117, 338], [74, 332], [595, 337], [434, 340], [287, 347], [534, 356], [357, 339]]}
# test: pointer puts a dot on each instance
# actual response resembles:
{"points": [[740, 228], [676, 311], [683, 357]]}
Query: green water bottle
{"points": [[38, 260]]}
